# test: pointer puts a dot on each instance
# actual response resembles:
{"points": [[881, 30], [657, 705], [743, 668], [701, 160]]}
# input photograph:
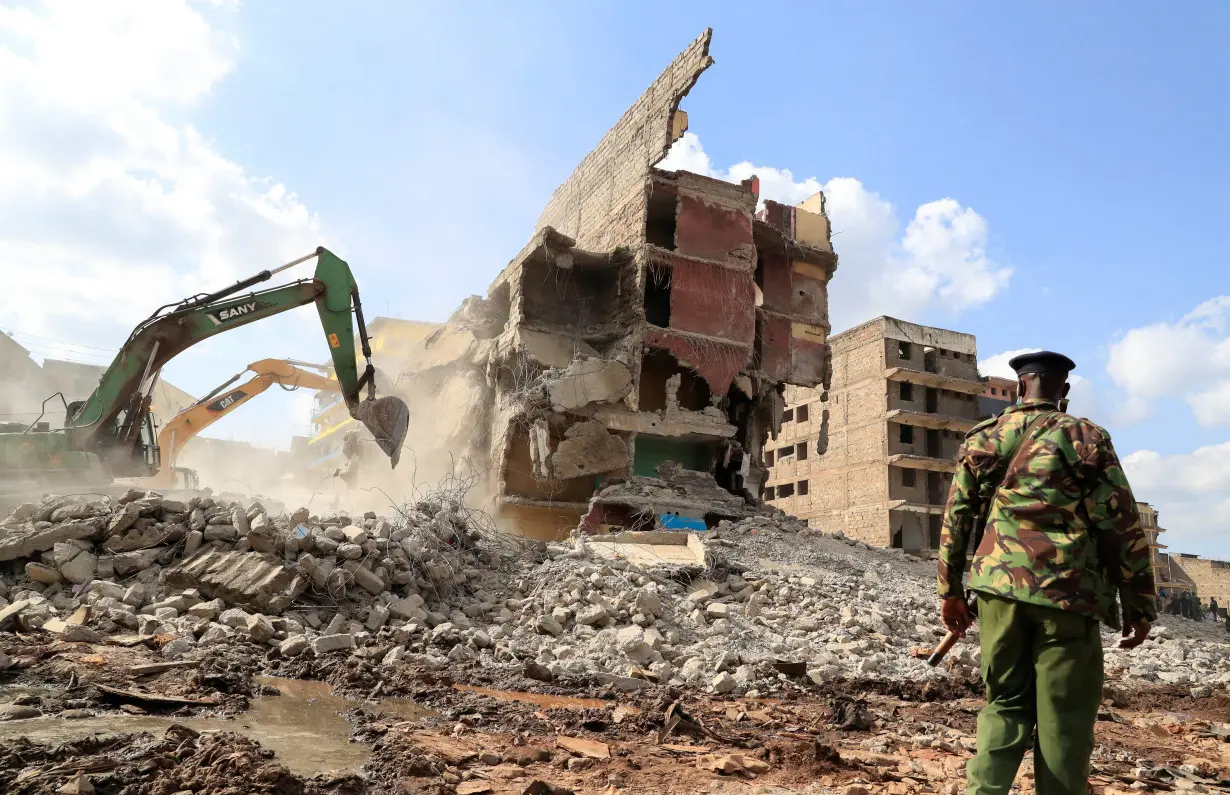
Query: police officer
{"points": [[1060, 535]]}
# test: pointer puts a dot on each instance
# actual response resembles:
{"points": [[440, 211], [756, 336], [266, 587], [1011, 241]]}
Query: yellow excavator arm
{"points": [[286, 373]]}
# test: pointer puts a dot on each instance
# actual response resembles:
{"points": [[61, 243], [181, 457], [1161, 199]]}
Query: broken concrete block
{"points": [[293, 646], [178, 648], [101, 589], [248, 579], [591, 614], [588, 449], [40, 573], [410, 608], [213, 635], [123, 519], [135, 595], [239, 518], [717, 610], [548, 626], [234, 618], [75, 561], [589, 381], [136, 538], [207, 610], [165, 614], [26, 541], [349, 551], [377, 617], [723, 683], [648, 602], [328, 643], [260, 629], [193, 543], [366, 579], [220, 532], [394, 655], [127, 563], [79, 633]]}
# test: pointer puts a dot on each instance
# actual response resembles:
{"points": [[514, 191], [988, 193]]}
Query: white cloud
{"points": [[111, 202], [1188, 359], [939, 262], [1190, 491], [997, 364]]}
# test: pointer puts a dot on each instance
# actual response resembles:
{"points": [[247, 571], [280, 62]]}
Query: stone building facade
{"points": [[873, 456]]}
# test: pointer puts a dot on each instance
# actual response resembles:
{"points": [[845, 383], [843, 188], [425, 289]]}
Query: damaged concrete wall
{"points": [[602, 205], [652, 320]]}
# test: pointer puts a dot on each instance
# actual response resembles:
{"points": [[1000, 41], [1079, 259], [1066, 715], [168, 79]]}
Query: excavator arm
{"points": [[110, 420], [185, 425]]}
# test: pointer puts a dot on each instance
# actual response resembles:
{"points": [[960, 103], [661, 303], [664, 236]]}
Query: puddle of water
{"points": [[550, 702], [302, 726]]}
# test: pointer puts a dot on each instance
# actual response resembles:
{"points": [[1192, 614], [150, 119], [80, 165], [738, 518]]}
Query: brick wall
{"points": [[1212, 577], [603, 204]]}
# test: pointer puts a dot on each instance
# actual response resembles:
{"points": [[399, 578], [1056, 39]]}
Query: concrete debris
{"points": [[241, 578], [764, 592]]}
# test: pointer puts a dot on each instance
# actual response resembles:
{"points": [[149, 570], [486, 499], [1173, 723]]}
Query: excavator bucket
{"points": [[387, 418]]}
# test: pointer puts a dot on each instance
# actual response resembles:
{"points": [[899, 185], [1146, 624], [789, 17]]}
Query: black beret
{"points": [[1041, 362]]}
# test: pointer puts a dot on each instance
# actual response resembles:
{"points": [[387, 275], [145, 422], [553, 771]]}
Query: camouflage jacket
{"points": [[1063, 532]]}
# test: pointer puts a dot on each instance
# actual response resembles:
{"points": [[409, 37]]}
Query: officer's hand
{"points": [[1134, 634], [954, 612]]}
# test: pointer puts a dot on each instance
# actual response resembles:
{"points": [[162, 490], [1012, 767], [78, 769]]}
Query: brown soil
{"points": [[893, 737]]}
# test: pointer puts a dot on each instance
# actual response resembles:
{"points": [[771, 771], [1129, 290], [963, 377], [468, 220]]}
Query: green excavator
{"points": [[111, 434]]}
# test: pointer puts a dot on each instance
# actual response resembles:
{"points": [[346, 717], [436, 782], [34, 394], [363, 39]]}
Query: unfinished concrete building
{"points": [[646, 331], [874, 456]]}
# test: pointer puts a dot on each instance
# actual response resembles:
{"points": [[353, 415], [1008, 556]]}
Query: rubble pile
{"points": [[774, 604]]}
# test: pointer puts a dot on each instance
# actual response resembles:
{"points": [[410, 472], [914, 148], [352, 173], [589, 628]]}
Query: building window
{"points": [[907, 434], [785, 454], [909, 478], [802, 488], [768, 458], [903, 350], [785, 490], [907, 391], [800, 414], [787, 416], [768, 493], [801, 451]]}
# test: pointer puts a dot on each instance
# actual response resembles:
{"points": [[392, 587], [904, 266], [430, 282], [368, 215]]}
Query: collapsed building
{"points": [[646, 331]]}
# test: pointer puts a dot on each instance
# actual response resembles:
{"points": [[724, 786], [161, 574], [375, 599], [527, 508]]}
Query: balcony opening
{"points": [[934, 449], [907, 391], [662, 222], [932, 401], [658, 296], [903, 351], [931, 360], [908, 478], [906, 434]]}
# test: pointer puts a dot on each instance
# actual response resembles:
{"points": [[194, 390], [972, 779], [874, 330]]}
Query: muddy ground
{"points": [[88, 718]]}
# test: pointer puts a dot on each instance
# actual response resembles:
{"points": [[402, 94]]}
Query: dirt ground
{"points": [[478, 733]]}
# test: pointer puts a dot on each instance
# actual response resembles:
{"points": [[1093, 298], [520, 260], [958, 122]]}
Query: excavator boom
{"points": [[224, 399], [109, 423]]}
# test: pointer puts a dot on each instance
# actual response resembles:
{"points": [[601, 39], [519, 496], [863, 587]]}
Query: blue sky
{"points": [[1081, 149]]}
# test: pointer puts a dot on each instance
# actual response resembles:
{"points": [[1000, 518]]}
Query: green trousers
{"points": [[1043, 671]]}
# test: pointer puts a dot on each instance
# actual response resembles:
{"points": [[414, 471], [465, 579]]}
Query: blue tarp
{"points": [[670, 521]]}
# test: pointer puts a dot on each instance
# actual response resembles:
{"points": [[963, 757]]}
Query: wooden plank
{"points": [[590, 748], [13, 609], [159, 667], [154, 698]]}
